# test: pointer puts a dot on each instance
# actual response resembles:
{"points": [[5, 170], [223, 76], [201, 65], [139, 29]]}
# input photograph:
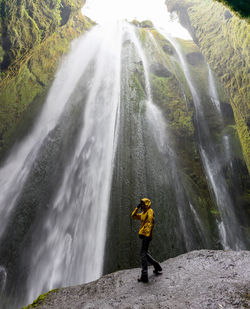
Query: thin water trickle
{"points": [[216, 101], [213, 90], [229, 224], [3, 278], [200, 226], [223, 235]]}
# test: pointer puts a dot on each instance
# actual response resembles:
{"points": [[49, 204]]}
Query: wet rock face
{"points": [[227, 15], [195, 58], [198, 279], [160, 70], [168, 49]]}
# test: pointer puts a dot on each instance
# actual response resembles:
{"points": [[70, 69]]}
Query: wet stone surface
{"points": [[198, 279]]}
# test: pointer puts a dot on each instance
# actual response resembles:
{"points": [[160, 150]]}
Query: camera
{"points": [[140, 205]]}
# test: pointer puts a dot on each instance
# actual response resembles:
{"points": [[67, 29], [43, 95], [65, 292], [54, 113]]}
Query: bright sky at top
{"points": [[154, 10]]}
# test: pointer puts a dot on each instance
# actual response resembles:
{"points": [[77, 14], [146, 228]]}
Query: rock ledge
{"points": [[198, 279]]}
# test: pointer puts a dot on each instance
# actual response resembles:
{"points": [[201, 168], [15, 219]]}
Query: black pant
{"points": [[145, 257]]}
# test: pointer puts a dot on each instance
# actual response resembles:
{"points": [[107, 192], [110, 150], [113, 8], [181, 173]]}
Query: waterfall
{"points": [[81, 114], [14, 172], [211, 159], [99, 144], [76, 224]]}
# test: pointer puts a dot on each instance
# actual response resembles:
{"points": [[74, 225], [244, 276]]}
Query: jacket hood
{"points": [[147, 202]]}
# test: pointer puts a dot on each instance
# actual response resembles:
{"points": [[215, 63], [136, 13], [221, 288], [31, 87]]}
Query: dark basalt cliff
{"points": [[198, 279], [33, 37], [224, 40]]}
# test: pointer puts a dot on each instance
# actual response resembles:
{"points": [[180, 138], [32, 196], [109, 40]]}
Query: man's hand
{"points": [[139, 206]]}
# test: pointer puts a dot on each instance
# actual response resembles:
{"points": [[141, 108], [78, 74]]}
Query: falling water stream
{"points": [[76, 224], [158, 126], [229, 227], [213, 90], [81, 114]]}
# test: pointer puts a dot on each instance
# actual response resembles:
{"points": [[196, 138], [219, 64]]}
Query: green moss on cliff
{"points": [[166, 93], [143, 24], [179, 112], [26, 23], [40, 299], [196, 63], [29, 77], [225, 44]]}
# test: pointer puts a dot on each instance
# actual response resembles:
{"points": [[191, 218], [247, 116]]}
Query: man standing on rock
{"points": [[146, 216]]}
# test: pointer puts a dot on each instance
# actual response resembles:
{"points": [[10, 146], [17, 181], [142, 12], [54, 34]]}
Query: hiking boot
{"points": [[157, 270], [143, 278]]}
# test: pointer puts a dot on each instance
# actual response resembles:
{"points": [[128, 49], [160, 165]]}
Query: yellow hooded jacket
{"points": [[147, 218]]}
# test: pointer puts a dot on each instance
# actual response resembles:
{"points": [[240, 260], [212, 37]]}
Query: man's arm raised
{"points": [[135, 214]]}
